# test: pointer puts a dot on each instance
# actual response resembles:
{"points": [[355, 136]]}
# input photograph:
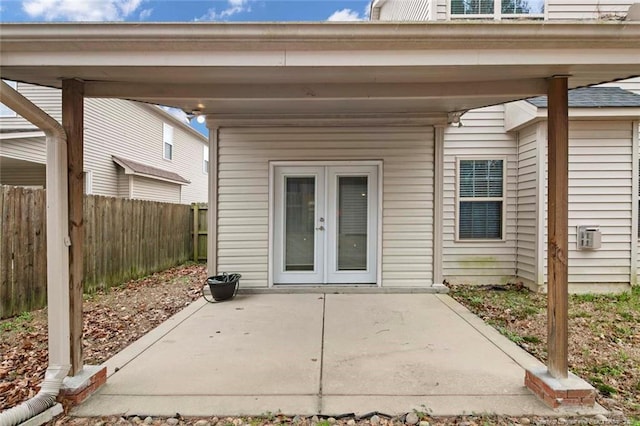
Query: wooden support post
{"points": [[73, 123], [558, 244]]}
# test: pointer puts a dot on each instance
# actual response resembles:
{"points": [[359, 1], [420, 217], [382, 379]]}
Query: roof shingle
{"points": [[143, 169], [595, 97]]}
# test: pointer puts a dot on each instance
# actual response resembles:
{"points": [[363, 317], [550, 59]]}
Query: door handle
{"points": [[320, 228]]}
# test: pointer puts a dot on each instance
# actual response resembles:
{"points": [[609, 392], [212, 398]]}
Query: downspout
{"points": [[57, 269]]}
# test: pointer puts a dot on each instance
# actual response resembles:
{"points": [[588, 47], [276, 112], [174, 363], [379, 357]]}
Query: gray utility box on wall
{"points": [[589, 237]]}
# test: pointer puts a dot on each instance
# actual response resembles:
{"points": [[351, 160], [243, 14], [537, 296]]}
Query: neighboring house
{"points": [[496, 233], [132, 149]]}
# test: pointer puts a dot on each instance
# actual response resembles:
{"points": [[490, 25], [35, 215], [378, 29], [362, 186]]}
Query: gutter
{"points": [[57, 253], [138, 37]]}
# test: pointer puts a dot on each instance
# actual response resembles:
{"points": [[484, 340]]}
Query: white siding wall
{"points": [[405, 10], [49, 100], [123, 128], [527, 205], [475, 262], [407, 201], [636, 200], [129, 130], [22, 173], [600, 193], [155, 190], [28, 149], [124, 182], [442, 12], [587, 9]]}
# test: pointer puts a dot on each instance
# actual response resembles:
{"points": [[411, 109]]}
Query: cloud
{"points": [[233, 7], [345, 15], [145, 14], [80, 10]]}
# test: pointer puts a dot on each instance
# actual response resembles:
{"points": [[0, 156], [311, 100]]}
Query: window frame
{"points": [[88, 182], [497, 13], [205, 159], [9, 112], [503, 199], [167, 139]]}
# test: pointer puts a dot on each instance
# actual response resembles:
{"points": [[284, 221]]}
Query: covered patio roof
{"points": [[320, 68], [379, 72]]}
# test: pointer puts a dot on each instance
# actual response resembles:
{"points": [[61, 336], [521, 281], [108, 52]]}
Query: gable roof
{"points": [[595, 97], [134, 168]]}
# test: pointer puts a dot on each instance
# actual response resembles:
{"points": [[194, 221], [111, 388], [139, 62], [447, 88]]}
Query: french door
{"points": [[325, 224]]}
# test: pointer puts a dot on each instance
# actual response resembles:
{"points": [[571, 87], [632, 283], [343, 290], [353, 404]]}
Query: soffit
{"points": [[367, 68]]}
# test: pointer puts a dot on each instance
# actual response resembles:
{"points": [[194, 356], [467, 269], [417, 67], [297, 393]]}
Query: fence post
{"points": [[196, 231]]}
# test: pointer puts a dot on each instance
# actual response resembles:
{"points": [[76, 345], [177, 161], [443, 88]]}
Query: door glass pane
{"points": [[300, 210], [352, 223]]}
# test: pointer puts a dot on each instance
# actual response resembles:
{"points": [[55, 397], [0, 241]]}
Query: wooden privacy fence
{"points": [[200, 211], [124, 239], [23, 250]]}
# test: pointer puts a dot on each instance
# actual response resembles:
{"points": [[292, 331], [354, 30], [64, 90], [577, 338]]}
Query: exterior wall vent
{"points": [[589, 237]]}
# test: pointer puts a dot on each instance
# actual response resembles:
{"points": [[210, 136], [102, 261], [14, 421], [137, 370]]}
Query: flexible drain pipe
{"points": [[57, 258]]}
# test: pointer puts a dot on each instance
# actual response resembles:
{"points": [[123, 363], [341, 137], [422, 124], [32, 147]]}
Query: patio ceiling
{"points": [[320, 68]]}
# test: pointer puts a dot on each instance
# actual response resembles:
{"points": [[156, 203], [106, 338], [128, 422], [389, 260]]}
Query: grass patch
{"points": [[21, 322], [603, 335]]}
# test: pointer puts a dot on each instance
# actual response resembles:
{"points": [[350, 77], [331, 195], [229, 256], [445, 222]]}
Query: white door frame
{"points": [[272, 180]]}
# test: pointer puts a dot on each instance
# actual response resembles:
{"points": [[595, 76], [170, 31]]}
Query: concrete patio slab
{"points": [[320, 353]]}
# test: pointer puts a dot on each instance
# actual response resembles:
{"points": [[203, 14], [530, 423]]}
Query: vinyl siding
{"points": [[587, 9], [636, 199], [23, 173], [407, 200], [479, 262], [442, 14], [130, 130], [155, 190], [48, 99], [600, 193], [527, 204], [117, 127], [405, 10], [27, 149], [123, 185]]}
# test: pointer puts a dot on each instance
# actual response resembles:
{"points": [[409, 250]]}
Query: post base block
{"points": [[78, 388], [572, 392]]}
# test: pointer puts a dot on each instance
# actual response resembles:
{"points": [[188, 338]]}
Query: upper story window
{"points": [[167, 139], [205, 159], [497, 9], [5, 111]]}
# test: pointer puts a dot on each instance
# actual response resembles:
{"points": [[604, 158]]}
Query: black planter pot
{"points": [[223, 287]]}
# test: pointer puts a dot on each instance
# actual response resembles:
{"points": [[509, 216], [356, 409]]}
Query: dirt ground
{"points": [[605, 348], [112, 321]]}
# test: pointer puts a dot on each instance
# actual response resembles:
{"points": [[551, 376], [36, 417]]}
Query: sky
{"points": [[183, 11]]}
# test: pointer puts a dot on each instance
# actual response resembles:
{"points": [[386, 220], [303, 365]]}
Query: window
{"points": [[497, 9], [88, 182], [205, 159], [4, 110], [167, 139], [480, 199]]}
